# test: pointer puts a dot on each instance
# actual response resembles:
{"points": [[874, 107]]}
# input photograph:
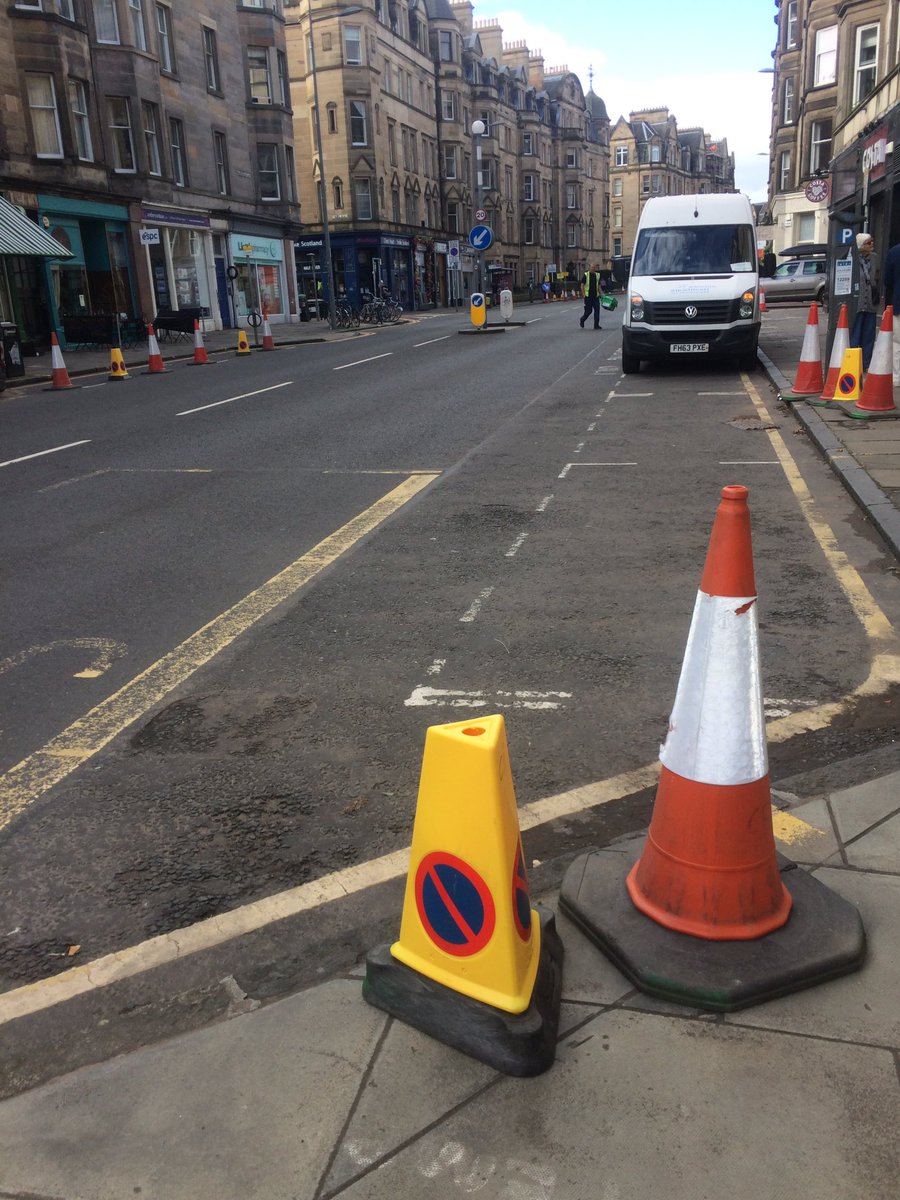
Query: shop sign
{"points": [[247, 246], [441, 248], [875, 154], [149, 237], [164, 217], [395, 241], [309, 244]]}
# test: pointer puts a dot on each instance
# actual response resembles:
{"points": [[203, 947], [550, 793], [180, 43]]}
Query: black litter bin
{"points": [[12, 350], [304, 314]]}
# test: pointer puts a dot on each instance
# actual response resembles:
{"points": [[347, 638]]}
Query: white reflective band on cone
{"points": [[717, 728]]}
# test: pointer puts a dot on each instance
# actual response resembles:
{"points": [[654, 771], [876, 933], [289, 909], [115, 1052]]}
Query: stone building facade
{"points": [[650, 156], [155, 141], [399, 87]]}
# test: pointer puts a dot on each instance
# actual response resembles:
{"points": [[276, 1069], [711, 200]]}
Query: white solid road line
{"points": [[416, 345], [39, 454]]}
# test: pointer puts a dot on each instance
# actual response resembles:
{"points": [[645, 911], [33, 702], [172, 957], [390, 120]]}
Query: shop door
{"points": [[222, 292]]}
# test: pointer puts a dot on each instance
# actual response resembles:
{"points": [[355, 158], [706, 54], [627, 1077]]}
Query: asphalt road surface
{"points": [[235, 597]]}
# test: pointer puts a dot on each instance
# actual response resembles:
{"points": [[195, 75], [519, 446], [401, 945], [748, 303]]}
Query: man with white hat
{"points": [[863, 332]]}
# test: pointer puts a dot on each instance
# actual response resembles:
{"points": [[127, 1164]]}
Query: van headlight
{"points": [[746, 307], [637, 308]]}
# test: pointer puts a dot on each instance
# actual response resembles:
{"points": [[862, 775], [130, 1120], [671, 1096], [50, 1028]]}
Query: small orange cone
{"points": [[762, 300], [268, 342], [839, 347], [243, 344], [702, 915], [117, 369], [155, 365], [809, 379], [59, 374], [200, 358], [877, 399]]}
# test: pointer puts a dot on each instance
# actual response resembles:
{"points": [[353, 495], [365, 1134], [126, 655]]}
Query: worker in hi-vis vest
{"points": [[592, 290]]}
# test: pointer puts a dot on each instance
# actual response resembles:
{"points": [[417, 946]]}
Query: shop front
{"points": [[259, 277], [180, 261], [98, 279]]}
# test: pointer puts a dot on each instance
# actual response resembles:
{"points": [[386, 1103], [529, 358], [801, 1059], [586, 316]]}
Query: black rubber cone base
{"points": [[517, 1044], [823, 939]]}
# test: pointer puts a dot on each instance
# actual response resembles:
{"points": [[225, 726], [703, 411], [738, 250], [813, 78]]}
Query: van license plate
{"points": [[689, 348]]}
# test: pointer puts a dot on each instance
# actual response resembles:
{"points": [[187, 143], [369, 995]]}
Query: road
{"points": [[236, 596]]}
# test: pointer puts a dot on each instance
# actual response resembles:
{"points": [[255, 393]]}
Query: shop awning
{"points": [[19, 235]]}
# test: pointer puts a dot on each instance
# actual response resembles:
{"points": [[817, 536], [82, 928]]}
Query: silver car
{"points": [[801, 279]]}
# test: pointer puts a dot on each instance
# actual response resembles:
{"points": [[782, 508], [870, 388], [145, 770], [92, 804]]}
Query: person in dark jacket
{"points": [[592, 290], [892, 297], [863, 332]]}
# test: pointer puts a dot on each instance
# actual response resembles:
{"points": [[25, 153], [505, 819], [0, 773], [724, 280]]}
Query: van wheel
{"points": [[630, 364]]}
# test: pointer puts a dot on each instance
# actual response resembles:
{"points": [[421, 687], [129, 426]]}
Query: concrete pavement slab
{"points": [[805, 833], [640, 1107], [877, 850], [247, 1107], [857, 808], [858, 1008]]}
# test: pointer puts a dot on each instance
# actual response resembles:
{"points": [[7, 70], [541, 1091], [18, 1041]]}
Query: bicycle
{"points": [[346, 316]]}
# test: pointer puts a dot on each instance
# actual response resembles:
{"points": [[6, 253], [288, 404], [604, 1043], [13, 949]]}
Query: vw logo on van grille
{"points": [[690, 310]]}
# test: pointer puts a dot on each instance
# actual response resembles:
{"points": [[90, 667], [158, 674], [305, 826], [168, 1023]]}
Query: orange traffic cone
{"points": [[117, 370], [839, 347], [200, 358], [59, 375], [877, 399], [268, 342], [243, 344], [155, 364], [762, 300], [809, 374], [707, 915]]}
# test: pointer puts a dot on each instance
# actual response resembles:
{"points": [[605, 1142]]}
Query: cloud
{"points": [[733, 105]]}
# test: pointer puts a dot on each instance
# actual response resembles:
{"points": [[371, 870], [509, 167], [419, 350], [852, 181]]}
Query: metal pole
{"points": [[323, 199]]}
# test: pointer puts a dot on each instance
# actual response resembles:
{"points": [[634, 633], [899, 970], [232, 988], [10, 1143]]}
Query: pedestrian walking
{"points": [[592, 289], [863, 332], [892, 297]]}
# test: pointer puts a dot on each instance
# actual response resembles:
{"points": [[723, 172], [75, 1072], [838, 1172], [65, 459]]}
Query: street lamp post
{"points": [[343, 11], [478, 128]]}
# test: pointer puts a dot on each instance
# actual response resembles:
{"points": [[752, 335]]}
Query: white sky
{"points": [[699, 58]]}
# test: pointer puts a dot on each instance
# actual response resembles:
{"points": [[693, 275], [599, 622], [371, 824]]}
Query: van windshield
{"points": [[695, 250]]}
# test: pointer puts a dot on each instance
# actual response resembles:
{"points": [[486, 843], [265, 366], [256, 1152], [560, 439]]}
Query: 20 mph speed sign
{"points": [[480, 214]]}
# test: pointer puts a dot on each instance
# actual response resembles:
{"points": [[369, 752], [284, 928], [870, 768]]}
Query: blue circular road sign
{"points": [[480, 237]]}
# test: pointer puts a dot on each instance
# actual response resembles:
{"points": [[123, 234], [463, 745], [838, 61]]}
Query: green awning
{"points": [[19, 235]]}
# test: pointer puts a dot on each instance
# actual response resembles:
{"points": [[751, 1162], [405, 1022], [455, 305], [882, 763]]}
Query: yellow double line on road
{"points": [[29, 779]]}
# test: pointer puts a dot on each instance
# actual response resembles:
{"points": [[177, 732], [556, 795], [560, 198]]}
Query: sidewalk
{"points": [[320, 1095], [865, 454]]}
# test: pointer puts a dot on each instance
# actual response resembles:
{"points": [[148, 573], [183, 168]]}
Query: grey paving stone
{"points": [[248, 1107], [641, 1107], [878, 850], [588, 976], [857, 808], [858, 1008], [813, 840]]}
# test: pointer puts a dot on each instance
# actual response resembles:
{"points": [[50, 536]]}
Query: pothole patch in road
{"points": [[752, 424]]}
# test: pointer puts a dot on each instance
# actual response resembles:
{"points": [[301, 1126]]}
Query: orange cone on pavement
{"points": [[59, 375], [268, 342], [200, 358], [706, 913], [839, 347], [155, 364], [877, 399], [809, 379], [243, 344], [762, 300], [117, 370]]}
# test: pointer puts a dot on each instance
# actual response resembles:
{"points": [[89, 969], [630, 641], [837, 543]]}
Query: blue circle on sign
{"points": [[846, 384], [454, 905], [480, 237], [477, 299]]}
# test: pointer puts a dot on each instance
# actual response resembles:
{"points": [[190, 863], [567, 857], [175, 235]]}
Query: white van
{"points": [[694, 284]]}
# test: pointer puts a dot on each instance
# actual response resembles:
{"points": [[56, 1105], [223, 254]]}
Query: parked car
{"points": [[802, 279]]}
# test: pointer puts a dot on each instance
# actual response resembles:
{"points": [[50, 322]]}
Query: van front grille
{"points": [[667, 312]]}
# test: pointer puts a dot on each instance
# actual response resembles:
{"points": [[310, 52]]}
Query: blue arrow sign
{"points": [[480, 237]]}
